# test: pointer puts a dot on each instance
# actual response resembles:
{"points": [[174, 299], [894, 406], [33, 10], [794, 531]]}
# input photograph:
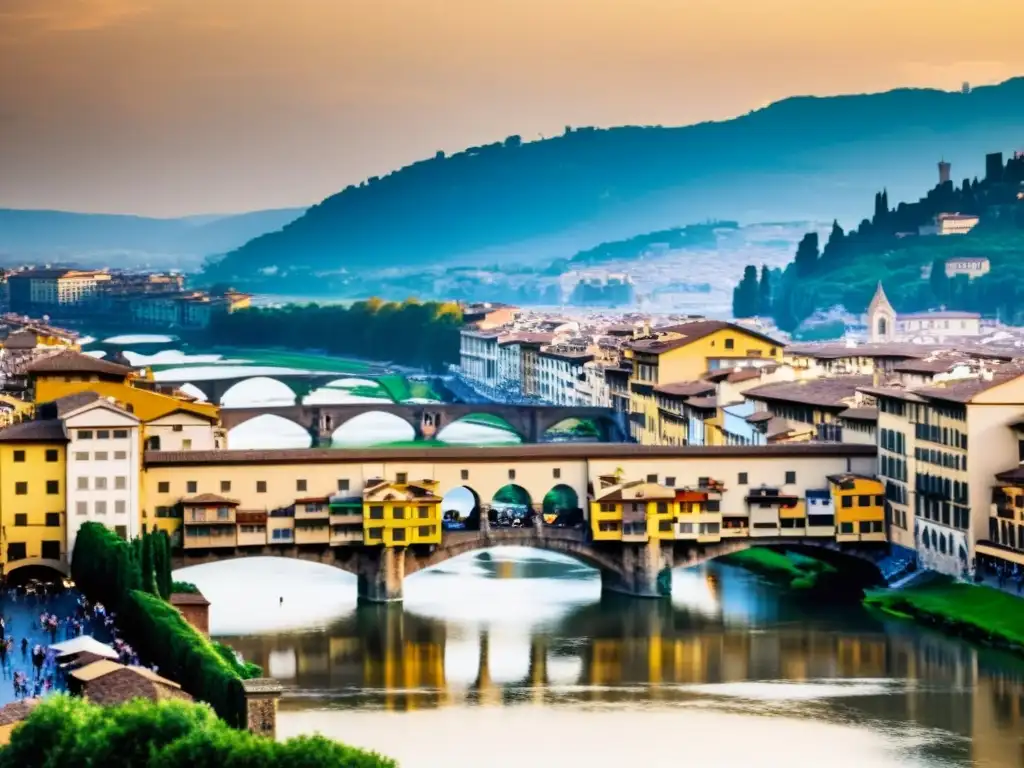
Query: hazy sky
{"points": [[166, 107]]}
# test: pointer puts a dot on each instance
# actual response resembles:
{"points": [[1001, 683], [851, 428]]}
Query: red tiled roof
{"points": [[821, 392], [70, 361], [35, 431], [685, 388], [209, 498], [691, 332]]}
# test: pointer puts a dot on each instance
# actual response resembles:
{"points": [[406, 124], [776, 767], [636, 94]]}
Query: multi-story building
{"points": [[811, 408], [69, 372], [561, 377], [478, 356], [885, 325], [103, 463], [401, 513], [938, 497], [32, 495], [971, 266], [42, 290], [685, 353], [950, 224]]}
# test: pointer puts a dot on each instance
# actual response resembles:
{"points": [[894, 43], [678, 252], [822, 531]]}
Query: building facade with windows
{"points": [[32, 495], [103, 465]]}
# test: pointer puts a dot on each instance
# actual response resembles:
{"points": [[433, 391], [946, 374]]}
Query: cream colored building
{"points": [[61, 287], [972, 267], [938, 494], [478, 356], [950, 224], [886, 326], [183, 431], [266, 482]]}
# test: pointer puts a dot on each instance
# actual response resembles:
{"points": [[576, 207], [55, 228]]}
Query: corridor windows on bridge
{"points": [[464, 474], [670, 482], [343, 484], [741, 478], [511, 507], [790, 477], [261, 486], [191, 486], [556, 473], [225, 486], [511, 474], [460, 508], [402, 477], [561, 507], [652, 478], [300, 485], [163, 487]]}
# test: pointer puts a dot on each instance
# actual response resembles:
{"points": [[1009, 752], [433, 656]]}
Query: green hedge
{"points": [[106, 569], [64, 731], [166, 639]]}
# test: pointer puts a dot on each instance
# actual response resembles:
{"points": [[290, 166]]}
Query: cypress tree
{"points": [[806, 259], [765, 293], [148, 583], [835, 242]]}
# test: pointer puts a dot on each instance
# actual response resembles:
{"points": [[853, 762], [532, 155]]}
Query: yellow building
{"points": [[649, 510], [401, 513], [859, 507], [32, 495], [70, 372], [684, 353]]}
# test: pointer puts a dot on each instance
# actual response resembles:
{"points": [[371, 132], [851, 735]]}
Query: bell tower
{"points": [[881, 318]]}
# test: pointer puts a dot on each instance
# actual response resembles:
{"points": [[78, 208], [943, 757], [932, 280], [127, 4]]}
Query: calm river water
{"points": [[511, 657]]}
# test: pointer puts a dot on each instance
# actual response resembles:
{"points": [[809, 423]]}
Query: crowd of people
{"points": [[32, 618]]}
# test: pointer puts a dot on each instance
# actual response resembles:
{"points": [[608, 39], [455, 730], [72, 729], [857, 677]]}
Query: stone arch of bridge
{"points": [[483, 418], [228, 387], [608, 427]]}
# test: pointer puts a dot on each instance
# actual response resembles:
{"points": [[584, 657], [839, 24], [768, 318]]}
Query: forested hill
{"points": [[803, 157], [887, 248]]}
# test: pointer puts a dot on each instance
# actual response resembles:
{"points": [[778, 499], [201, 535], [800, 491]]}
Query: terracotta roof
{"points": [[70, 361], [128, 683], [23, 339], [35, 431], [567, 354], [838, 351], [759, 416], [17, 711], [62, 406], [1012, 476], [860, 414], [829, 392], [313, 500], [896, 393], [703, 402], [82, 659], [188, 598], [469, 454], [777, 427], [209, 498], [638, 490], [95, 670], [930, 365], [965, 390], [685, 388], [691, 332]]}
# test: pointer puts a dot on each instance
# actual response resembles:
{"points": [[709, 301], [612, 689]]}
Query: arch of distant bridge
{"points": [[528, 422]]}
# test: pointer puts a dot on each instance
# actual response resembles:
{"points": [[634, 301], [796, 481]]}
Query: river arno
{"points": [[512, 658]]}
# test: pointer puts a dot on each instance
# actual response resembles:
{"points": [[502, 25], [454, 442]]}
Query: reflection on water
{"points": [[518, 643]]}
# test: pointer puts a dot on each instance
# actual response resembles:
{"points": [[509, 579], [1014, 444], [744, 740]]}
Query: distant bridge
{"points": [[529, 422], [302, 383], [635, 569]]}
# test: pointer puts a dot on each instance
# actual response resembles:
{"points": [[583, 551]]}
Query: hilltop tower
{"points": [[944, 169], [881, 318]]}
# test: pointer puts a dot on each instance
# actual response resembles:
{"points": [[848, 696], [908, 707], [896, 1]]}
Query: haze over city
{"points": [[167, 108]]}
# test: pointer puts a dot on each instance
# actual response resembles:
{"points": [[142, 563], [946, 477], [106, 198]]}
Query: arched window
{"points": [[942, 543], [883, 326]]}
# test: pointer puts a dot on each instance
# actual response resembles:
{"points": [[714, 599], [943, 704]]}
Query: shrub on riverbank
{"points": [[64, 731], [794, 571], [106, 569], [971, 611]]}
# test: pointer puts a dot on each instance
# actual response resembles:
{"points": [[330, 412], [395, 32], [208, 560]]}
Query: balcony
{"points": [[312, 532], [209, 536], [209, 516], [312, 508], [346, 534]]}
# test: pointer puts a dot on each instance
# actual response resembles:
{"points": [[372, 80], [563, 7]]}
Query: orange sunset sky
{"points": [[168, 107]]}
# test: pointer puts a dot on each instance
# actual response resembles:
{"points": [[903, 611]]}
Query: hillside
{"points": [[844, 270], [55, 235], [803, 157]]}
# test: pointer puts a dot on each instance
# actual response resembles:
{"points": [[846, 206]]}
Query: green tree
{"points": [[806, 260], [938, 282], [147, 569], [745, 297], [764, 298], [834, 246]]}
